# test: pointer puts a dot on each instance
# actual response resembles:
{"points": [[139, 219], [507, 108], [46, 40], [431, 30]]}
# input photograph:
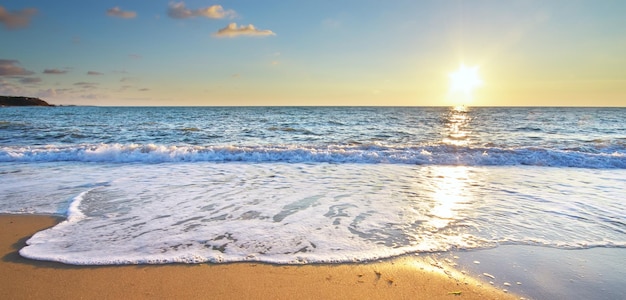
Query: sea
{"points": [[305, 185]]}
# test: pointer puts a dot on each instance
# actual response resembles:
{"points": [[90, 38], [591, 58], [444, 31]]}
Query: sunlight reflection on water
{"points": [[450, 192], [457, 130]]}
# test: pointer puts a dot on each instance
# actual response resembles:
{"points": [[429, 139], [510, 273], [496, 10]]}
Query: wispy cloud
{"points": [[9, 88], [91, 96], [16, 19], [86, 85], [244, 30], [331, 23], [94, 73], [54, 71], [30, 80], [49, 93], [119, 13], [134, 56], [10, 67], [177, 10]]}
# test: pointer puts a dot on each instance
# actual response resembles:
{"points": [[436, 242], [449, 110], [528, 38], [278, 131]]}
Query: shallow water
{"points": [[299, 213], [307, 185], [548, 273]]}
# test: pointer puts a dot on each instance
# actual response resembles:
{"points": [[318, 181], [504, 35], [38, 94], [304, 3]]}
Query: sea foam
{"points": [[369, 154], [314, 213]]}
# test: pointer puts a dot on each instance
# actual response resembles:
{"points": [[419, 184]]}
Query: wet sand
{"points": [[411, 277], [548, 273]]}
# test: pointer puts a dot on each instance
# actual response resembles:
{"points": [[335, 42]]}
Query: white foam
{"points": [[422, 155], [74, 214], [310, 213]]}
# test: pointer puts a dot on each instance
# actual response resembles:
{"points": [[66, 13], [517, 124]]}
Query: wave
{"points": [[369, 154]]}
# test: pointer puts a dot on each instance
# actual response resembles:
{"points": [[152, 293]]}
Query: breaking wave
{"points": [[368, 154]]}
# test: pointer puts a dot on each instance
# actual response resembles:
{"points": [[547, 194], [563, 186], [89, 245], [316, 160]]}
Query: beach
{"points": [[548, 273], [299, 202], [411, 277]]}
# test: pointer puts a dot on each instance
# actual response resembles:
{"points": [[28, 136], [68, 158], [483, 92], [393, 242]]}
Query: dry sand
{"points": [[403, 278]]}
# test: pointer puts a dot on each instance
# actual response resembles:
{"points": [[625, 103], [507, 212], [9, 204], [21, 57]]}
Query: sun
{"points": [[464, 81]]}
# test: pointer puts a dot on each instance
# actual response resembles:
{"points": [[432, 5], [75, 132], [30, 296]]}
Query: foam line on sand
{"points": [[410, 277]]}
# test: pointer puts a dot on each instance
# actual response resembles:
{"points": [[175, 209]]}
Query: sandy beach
{"points": [[415, 277]]}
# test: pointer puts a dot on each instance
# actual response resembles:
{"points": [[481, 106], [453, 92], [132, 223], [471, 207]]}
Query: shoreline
{"points": [[548, 273], [414, 277]]}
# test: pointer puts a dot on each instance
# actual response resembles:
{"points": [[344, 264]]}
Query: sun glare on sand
{"points": [[463, 82]]}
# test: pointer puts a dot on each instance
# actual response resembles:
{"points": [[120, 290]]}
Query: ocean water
{"points": [[311, 184]]}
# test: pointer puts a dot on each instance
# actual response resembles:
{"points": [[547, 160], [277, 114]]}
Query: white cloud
{"points": [[179, 11], [94, 73], [246, 30], [10, 67], [119, 13], [16, 19]]}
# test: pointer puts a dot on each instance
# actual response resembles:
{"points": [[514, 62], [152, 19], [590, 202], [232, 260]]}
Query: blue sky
{"points": [[313, 52]]}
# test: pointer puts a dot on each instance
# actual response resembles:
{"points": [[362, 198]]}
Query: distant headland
{"points": [[22, 101]]}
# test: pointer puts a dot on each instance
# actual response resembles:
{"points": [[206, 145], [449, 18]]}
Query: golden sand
{"points": [[403, 278]]}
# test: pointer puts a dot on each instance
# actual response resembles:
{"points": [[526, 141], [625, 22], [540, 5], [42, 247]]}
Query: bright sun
{"points": [[465, 80]]}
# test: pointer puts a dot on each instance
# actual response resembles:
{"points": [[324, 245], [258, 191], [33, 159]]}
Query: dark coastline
{"points": [[22, 101]]}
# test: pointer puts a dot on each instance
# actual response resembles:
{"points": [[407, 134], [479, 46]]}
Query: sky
{"points": [[353, 53]]}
